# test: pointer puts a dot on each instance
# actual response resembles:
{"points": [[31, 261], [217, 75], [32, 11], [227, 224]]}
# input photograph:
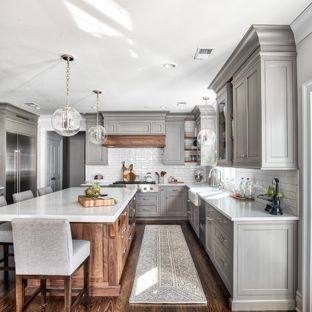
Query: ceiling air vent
{"points": [[202, 53]]}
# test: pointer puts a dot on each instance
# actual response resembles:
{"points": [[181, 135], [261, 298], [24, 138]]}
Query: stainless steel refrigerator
{"points": [[21, 164]]}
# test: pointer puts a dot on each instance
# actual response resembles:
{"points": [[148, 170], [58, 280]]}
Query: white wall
{"points": [[144, 160]]}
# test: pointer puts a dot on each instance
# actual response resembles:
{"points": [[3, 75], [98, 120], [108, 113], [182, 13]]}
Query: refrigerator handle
{"points": [[16, 171], [19, 170]]}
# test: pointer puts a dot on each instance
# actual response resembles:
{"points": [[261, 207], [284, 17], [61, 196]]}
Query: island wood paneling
{"points": [[110, 245]]}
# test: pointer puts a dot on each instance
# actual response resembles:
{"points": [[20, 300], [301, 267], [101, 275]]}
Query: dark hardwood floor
{"points": [[216, 293]]}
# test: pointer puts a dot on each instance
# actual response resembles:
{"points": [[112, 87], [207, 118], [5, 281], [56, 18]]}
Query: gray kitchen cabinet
{"points": [[174, 149], [147, 205], [224, 125], [206, 118], [255, 259], [134, 123], [246, 95], [173, 202], [263, 74], [95, 154]]}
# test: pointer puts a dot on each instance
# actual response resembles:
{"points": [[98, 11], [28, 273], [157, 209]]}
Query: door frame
{"points": [[305, 198]]}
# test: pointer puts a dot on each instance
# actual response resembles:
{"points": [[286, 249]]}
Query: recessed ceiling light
{"points": [[32, 105], [181, 104], [93, 107], [163, 107], [169, 65]]}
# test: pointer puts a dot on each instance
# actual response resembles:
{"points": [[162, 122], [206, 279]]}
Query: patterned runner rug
{"points": [[165, 271]]}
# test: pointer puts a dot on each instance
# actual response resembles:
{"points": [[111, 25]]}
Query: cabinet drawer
{"points": [[224, 223], [147, 210], [223, 240], [147, 199], [224, 266]]}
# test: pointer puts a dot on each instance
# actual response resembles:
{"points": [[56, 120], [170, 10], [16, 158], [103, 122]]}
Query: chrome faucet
{"points": [[214, 177]]}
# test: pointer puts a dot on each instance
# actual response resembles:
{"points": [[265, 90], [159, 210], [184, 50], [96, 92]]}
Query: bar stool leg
{"points": [[43, 289], [86, 283], [68, 293], [19, 295], [6, 262]]}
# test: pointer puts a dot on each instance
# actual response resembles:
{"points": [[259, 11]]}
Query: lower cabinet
{"points": [[147, 205], [168, 203], [255, 259]]}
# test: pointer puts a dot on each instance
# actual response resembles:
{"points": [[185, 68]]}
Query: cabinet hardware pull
{"points": [[209, 219], [124, 251]]}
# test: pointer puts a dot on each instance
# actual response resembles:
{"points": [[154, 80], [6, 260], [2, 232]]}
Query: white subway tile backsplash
{"points": [[289, 182], [143, 160]]}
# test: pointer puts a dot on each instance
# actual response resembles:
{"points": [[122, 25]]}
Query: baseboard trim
{"points": [[298, 301], [263, 305]]}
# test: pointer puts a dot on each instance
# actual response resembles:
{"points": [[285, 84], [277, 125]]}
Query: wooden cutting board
{"points": [[89, 202]]}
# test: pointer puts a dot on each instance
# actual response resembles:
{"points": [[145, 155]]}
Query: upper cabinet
{"points": [[134, 123], [206, 118], [262, 71], [174, 149], [95, 154], [224, 126]]}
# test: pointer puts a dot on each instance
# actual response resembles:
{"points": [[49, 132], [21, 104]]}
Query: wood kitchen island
{"points": [[109, 229]]}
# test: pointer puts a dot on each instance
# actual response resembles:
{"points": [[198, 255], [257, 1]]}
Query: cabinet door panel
{"points": [[174, 149], [240, 119], [95, 154], [253, 115], [279, 118]]}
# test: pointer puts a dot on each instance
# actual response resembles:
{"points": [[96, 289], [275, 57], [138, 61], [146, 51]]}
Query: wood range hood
{"points": [[135, 141]]}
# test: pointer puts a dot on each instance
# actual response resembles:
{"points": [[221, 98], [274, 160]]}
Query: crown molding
{"points": [[302, 25], [261, 39]]}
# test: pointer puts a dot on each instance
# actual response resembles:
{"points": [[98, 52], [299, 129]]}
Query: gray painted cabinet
{"points": [[95, 154], [168, 203], [134, 123], [246, 95], [147, 205], [263, 74], [174, 201], [174, 149], [255, 259], [224, 125]]}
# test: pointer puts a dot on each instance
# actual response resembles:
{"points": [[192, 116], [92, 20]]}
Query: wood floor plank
{"points": [[214, 289]]}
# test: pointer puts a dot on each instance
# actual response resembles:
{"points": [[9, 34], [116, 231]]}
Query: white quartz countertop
{"points": [[64, 205], [237, 210]]}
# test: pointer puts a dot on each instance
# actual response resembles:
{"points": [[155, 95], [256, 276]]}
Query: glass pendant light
{"points": [[206, 137], [97, 134], [66, 120]]}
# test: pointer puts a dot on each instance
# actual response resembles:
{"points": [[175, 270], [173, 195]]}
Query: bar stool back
{"points": [[45, 190], [18, 197], [6, 240], [44, 249]]}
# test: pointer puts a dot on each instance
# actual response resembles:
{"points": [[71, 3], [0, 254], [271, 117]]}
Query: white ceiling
{"points": [[120, 46]]}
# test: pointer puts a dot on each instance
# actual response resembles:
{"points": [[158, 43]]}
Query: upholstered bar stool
{"points": [[44, 249], [18, 197], [45, 190], [6, 240]]}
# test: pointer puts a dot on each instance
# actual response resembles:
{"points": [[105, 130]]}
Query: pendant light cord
{"points": [[97, 109], [67, 82]]}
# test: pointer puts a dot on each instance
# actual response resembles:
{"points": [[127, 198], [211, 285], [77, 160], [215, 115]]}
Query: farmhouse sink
{"points": [[195, 192]]}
